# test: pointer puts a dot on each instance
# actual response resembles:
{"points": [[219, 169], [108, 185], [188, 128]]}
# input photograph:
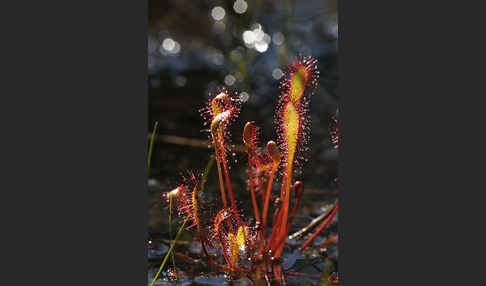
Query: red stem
{"points": [[228, 185], [265, 206], [226, 176], [282, 240], [275, 230], [321, 228], [277, 217], [332, 239], [294, 210], [252, 188], [285, 211], [220, 175], [277, 273]]}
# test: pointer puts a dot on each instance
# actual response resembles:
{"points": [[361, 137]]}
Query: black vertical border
{"points": [[405, 182], [74, 107]]}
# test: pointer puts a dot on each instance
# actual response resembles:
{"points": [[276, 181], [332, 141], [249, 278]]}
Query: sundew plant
{"points": [[253, 246]]}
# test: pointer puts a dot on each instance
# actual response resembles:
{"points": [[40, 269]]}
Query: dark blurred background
{"points": [[196, 46]]}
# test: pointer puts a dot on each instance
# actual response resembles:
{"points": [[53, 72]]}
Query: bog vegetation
{"points": [[253, 246]]}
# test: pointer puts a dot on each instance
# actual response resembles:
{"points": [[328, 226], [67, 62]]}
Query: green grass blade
{"points": [[170, 237], [152, 139], [179, 232], [209, 165]]}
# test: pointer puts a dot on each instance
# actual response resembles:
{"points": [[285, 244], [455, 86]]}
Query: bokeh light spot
{"points": [[248, 37], [277, 73], [218, 58], [218, 13], [180, 80], [244, 96], [168, 44], [261, 47], [240, 6], [229, 80], [278, 38]]}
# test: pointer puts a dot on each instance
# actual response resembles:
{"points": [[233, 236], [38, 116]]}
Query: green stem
{"points": [[170, 236], [209, 165], [179, 232], [152, 139]]}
